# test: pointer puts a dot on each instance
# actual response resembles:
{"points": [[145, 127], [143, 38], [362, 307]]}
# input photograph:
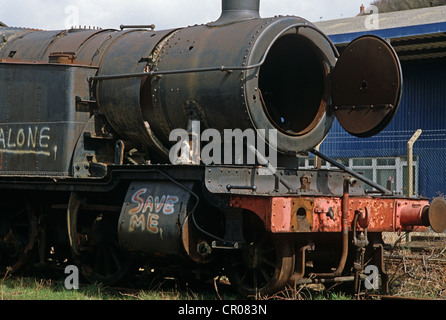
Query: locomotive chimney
{"points": [[237, 10]]}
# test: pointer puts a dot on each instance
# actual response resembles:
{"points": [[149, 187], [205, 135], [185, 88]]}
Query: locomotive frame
{"points": [[84, 145]]}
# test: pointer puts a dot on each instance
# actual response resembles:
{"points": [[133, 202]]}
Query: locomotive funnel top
{"points": [[235, 10]]}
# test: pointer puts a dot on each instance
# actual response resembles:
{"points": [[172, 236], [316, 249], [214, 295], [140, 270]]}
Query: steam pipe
{"points": [[169, 72], [300, 266], [345, 208]]}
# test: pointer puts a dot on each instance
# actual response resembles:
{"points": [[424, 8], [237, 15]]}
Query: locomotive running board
{"points": [[246, 180], [351, 172]]}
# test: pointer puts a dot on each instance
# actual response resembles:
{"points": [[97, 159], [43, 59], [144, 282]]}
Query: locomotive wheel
{"points": [[94, 242], [18, 234], [266, 263]]}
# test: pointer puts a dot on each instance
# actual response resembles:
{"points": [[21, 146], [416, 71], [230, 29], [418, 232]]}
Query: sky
{"points": [[165, 14]]}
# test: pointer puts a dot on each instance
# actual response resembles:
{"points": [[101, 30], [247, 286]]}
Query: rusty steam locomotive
{"points": [[86, 170]]}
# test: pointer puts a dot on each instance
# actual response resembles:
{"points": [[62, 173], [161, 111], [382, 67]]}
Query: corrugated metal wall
{"points": [[423, 107]]}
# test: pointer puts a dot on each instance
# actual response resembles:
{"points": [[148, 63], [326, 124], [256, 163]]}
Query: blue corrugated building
{"points": [[419, 38]]}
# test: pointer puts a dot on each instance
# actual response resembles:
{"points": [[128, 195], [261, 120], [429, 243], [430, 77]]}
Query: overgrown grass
{"points": [[420, 273], [310, 292], [23, 288], [411, 275], [31, 288]]}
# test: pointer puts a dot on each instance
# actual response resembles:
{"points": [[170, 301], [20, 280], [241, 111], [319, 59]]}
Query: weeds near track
{"points": [[418, 270], [414, 272]]}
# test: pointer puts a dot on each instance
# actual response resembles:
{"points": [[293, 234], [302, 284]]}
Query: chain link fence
{"points": [[384, 160]]}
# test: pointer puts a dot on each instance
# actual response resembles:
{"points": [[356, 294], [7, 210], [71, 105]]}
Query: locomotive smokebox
{"points": [[273, 75], [246, 72]]}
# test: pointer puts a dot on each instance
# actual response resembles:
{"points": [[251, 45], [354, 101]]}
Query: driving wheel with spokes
{"points": [[265, 264], [94, 242]]}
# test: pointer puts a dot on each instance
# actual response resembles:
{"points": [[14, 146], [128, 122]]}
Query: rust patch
{"points": [[261, 206], [327, 215], [324, 214], [62, 57]]}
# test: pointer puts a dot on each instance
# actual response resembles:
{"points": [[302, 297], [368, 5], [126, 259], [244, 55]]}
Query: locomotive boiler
{"points": [[88, 174]]}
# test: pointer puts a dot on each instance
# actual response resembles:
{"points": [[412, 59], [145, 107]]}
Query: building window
{"points": [[387, 172]]}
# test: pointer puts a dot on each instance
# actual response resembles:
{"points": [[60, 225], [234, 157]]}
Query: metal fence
{"points": [[384, 160]]}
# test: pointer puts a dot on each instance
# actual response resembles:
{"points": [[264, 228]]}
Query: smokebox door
{"points": [[366, 86]]}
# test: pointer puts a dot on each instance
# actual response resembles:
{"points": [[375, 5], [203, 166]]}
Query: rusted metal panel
{"points": [[324, 214], [245, 94], [131, 52], [72, 41], [29, 46], [377, 214], [62, 57], [280, 214], [153, 217], [39, 124], [367, 86], [281, 209], [261, 206], [301, 215], [208, 97], [91, 51], [381, 212], [327, 214]]}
